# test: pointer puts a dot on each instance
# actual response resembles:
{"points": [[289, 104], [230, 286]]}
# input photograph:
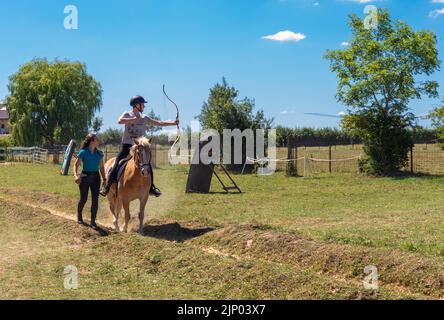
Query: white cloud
{"points": [[345, 44], [436, 13], [285, 36]]}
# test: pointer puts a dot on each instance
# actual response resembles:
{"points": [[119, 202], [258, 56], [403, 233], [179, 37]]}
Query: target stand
{"points": [[200, 175]]}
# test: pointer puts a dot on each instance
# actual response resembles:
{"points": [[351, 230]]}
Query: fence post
{"points": [[291, 170], [56, 157], [154, 155], [296, 160], [329, 159], [412, 169]]}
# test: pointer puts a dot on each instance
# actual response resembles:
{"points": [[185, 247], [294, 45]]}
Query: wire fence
{"points": [[427, 159], [34, 155], [423, 158]]}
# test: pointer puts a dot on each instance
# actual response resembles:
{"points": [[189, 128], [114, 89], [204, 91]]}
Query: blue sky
{"points": [[133, 47]]}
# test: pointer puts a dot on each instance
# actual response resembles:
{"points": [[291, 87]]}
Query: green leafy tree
{"points": [[6, 141], [153, 129], [377, 80], [437, 117], [112, 136], [97, 124], [224, 110], [52, 102]]}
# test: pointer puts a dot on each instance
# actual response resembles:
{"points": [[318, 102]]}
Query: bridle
{"points": [[143, 159]]}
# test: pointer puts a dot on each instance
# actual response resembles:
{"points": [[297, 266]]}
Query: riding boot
{"points": [[93, 221], [154, 190], [105, 190]]}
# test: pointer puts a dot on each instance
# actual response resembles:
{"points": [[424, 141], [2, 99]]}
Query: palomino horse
{"points": [[135, 183]]}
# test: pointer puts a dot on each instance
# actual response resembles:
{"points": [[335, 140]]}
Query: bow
{"points": [[177, 118]]}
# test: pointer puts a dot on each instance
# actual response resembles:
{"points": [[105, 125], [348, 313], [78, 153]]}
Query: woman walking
{"points": [[91, 159]]}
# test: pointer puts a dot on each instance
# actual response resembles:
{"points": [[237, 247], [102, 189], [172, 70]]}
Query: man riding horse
{"points": [[136, 124]]}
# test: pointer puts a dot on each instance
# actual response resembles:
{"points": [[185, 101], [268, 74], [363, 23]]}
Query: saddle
{"points": [[120, 169]]}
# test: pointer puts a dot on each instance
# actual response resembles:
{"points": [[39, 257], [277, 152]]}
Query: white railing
{"points": [[34, 155]]}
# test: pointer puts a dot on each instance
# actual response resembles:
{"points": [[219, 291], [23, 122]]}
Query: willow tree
{"points": [[378, 77], [52, 102]]}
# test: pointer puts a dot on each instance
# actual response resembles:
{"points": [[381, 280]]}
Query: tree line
{"points": [[339, 136]]}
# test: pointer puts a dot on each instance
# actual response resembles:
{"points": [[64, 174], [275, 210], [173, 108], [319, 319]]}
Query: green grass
{"points": [[351, 216], [399, 213], [135, 267]]}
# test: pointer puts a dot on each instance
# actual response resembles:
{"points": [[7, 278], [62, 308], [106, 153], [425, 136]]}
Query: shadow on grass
{"points": [[101, 230], [226, 193], [408, 175], [174, 232]]}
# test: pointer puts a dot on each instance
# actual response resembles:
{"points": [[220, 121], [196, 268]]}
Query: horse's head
{"points": [[141, 152]]}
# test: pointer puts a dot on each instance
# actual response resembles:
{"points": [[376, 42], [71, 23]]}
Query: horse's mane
{"points": [[144, 142]]}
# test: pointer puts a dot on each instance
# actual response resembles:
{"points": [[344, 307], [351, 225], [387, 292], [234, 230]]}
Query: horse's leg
{"points": [[126, 207], [143, 203], [115, 207], [118, 210], [112, 209]]}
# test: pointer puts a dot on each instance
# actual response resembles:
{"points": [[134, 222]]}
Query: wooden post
{"points": [[56, 157], [296, 161], [291, 170], [329, 159], [412, 169], [154, 155]]}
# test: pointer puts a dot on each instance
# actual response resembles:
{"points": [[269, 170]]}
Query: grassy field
{"points": [[283, 238]]}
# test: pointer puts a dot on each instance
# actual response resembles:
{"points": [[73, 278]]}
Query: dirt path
{"points": [[50, 210]]}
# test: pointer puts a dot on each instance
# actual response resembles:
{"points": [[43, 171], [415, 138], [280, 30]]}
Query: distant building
{"points": [[4, 118]]}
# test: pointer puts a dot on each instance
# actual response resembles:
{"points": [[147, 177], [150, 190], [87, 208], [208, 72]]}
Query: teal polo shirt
{"points": [[90, 161]]}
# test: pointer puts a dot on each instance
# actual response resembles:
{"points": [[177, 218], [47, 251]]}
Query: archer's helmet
{"points": [[137, 100]]}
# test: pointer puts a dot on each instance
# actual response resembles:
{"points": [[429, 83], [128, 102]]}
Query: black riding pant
{"points": [[124, 152], [89, 181]]}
